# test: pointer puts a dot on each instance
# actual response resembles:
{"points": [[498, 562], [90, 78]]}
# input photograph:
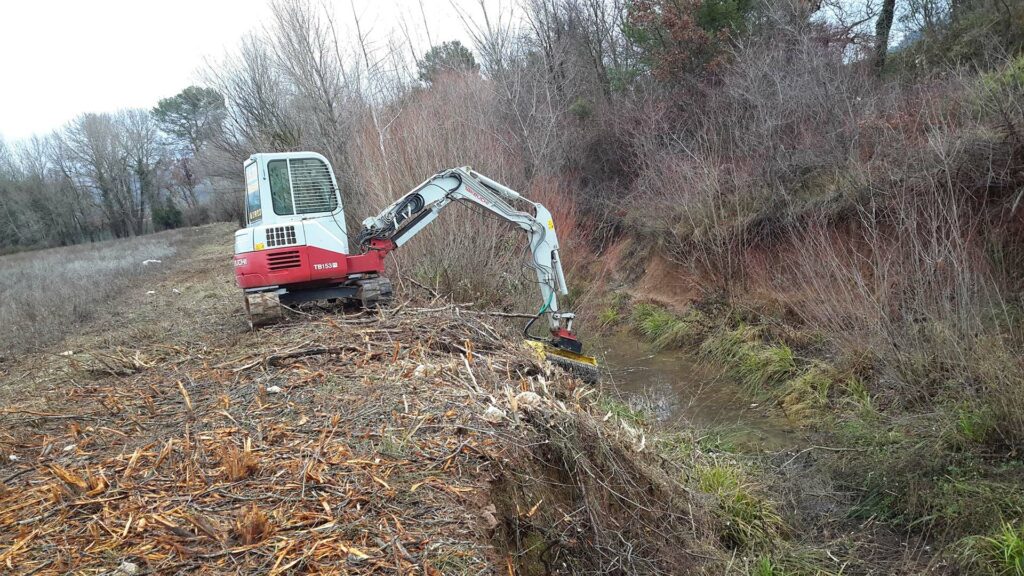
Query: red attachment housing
{"points": [[306, 264], [563, 333], [566, 340]]}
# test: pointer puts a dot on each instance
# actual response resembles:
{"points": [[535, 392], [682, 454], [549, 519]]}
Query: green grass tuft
{"points": [[747, 519], [612, 314], [664, 329], [765, 567], [609, 317], [807, 393], [795, 561], [856, 394], [974, 424], [1001, 554], [758, 364], [623, 411]]}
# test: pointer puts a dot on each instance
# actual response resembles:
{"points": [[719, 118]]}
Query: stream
{"points": [[681, 391]]}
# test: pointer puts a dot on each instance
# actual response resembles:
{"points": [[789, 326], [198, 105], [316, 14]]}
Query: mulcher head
{"points": [[582, 366]]}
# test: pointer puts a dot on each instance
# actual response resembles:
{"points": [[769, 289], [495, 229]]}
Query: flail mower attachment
{"points": [[580, 365]]}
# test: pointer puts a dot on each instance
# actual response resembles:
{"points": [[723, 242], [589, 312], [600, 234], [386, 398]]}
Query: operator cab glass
{"points": [[301, 186], [253, 210]]}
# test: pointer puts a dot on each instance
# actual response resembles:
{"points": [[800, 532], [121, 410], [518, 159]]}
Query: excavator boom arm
{"points": [[411, 213]]}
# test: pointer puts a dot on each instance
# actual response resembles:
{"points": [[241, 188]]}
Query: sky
{"points": [[61, 58]]}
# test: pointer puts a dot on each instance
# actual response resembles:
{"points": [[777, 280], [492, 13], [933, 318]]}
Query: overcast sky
{"points": [[64, 57]]}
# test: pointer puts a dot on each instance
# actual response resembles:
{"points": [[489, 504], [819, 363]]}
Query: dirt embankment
{"points": [[167, 438]]}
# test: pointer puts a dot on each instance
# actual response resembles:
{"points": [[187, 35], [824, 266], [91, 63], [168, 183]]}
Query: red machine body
{"points": [[304, 265]]}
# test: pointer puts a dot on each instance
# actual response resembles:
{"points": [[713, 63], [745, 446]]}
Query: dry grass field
{"points": [[49, 294]]}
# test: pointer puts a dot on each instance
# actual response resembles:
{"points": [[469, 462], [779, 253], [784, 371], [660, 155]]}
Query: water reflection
{"points": [[683, 391]]}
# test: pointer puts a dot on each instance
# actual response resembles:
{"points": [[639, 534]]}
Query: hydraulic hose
{"points": [[543, 309]]}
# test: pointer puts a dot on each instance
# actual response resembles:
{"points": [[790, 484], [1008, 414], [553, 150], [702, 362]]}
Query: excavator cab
{"points": [[294, 247], [289, 197]]}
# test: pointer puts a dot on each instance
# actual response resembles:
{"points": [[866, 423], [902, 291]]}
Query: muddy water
{"points": [[682, 391]]}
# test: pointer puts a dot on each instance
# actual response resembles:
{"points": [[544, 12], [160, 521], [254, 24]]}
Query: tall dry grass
{"points": [[466, 252], [49, 293]]}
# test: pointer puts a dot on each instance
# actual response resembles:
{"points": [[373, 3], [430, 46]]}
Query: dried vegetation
{"points": [[419, 439], [46, 292]]}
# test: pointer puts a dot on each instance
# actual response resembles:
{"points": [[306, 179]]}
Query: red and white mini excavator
{"points": [[295, 246]]}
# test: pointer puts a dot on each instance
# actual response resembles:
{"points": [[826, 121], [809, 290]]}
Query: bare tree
{"points": [[376, 92], [258, 114], [304, 52], [117, 158], [140, 139], [882, 28], [493, 35]]}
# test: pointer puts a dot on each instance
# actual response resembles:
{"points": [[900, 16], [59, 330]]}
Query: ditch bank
{"points": [[864, 479]]}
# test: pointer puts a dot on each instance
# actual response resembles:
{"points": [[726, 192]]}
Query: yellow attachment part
{"points": [[584, 367], [543, 349]]}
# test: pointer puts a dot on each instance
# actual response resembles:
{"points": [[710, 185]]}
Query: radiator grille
{"points": [[280, 236], [284, 260], [312, 187]]}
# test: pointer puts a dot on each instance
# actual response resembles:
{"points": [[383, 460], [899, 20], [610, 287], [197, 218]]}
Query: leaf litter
{"points": [[351, 444]]}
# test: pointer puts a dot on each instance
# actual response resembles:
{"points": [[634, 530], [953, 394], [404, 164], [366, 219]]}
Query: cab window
{"points": [[312, 188], [280, 187], [253, 209]]}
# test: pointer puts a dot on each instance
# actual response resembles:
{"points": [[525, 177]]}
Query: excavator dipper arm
{"points": [[408, 215]]}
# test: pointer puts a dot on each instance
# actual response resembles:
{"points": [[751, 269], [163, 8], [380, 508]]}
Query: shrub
{"points": [[582, 108], [167, 215], [680, 39], [958, 33]]}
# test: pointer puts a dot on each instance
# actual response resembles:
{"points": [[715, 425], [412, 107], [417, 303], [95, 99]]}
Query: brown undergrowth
{"points": [[415, 440]]}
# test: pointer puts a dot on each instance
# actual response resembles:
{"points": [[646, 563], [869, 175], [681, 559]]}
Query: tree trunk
{"points": [[882, 27]]}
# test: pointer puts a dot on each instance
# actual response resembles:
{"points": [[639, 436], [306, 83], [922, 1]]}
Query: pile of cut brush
{"points": [[411, 441]]}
